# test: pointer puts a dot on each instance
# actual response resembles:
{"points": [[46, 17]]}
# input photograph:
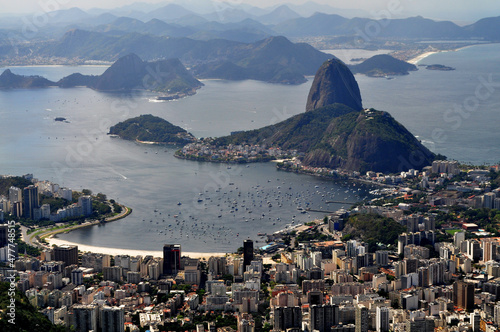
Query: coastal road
{"points": [[31, 239], [24, 235]]}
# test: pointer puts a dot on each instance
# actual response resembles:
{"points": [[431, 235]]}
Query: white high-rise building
{"points": [[86, 203], [458, 238], [475, 320], [15, 194], [66, 193], [382, 319], [45, 211]]}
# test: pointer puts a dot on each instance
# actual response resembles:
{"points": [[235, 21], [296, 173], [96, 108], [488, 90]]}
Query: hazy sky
{"points": [[446, 9]]}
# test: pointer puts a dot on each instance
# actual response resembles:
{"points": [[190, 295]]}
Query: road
{"points": [[31, 239]]}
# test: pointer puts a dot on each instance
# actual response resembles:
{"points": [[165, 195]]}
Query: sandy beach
{"points": [[420, 57], [131, 252]]}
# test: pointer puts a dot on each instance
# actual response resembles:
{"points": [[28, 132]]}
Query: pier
{"points": [[314, 210], [339, 202]]}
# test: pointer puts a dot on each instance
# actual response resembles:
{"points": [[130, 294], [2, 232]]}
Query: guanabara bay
{"points": [[249, 166]]}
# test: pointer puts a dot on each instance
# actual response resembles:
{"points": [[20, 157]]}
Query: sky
{"points": [[437, 9]]}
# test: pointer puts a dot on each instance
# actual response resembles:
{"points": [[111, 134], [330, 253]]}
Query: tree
{"points": [[27, 317], [228, 277]]}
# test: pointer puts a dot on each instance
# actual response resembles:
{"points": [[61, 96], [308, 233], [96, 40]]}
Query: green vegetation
{"points": [[56, 203], [299, 132], [150, 128], [27, 317], [16, 181], [335, 136], [313, 235], [228, 277], [495, 179], [373, 228], [117, 208]]}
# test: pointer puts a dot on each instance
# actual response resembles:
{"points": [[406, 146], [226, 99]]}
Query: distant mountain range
{"points": [[244, 23], [222, 40], [274, 59]]}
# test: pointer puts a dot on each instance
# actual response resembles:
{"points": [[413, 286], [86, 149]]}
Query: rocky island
{"points": [[61, 119], [438, 67], [151, 129], [383, 65]]}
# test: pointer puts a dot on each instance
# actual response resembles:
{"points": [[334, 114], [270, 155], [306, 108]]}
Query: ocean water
{"points": [[221, 206], [455, 113]]}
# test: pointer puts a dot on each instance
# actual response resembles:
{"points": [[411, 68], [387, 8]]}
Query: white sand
{"points": [[420, 57], [131, 252]]}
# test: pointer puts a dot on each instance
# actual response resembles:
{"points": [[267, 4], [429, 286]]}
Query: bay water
{"points": [[214, 207]]}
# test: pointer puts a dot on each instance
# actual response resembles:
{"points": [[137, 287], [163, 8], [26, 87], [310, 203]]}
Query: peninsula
{"points": [[169, 78], [335, 132]]}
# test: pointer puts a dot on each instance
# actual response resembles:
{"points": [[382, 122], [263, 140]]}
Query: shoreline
{"points": [[422, 56], [415, 60], [50, 232], [131, 252]]}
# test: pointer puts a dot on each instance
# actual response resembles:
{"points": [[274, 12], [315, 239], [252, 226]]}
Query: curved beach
{"points": [[130, 252]]}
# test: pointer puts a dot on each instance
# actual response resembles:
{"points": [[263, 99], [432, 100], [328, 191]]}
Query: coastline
{"points": [[45, 234], [131, 252], [422, 56], [415, 60]]}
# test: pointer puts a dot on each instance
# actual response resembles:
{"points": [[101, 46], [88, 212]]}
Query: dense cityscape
{"points": [[438, 270]]}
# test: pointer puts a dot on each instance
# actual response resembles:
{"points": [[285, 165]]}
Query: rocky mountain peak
{"points": [[334, 83]]}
